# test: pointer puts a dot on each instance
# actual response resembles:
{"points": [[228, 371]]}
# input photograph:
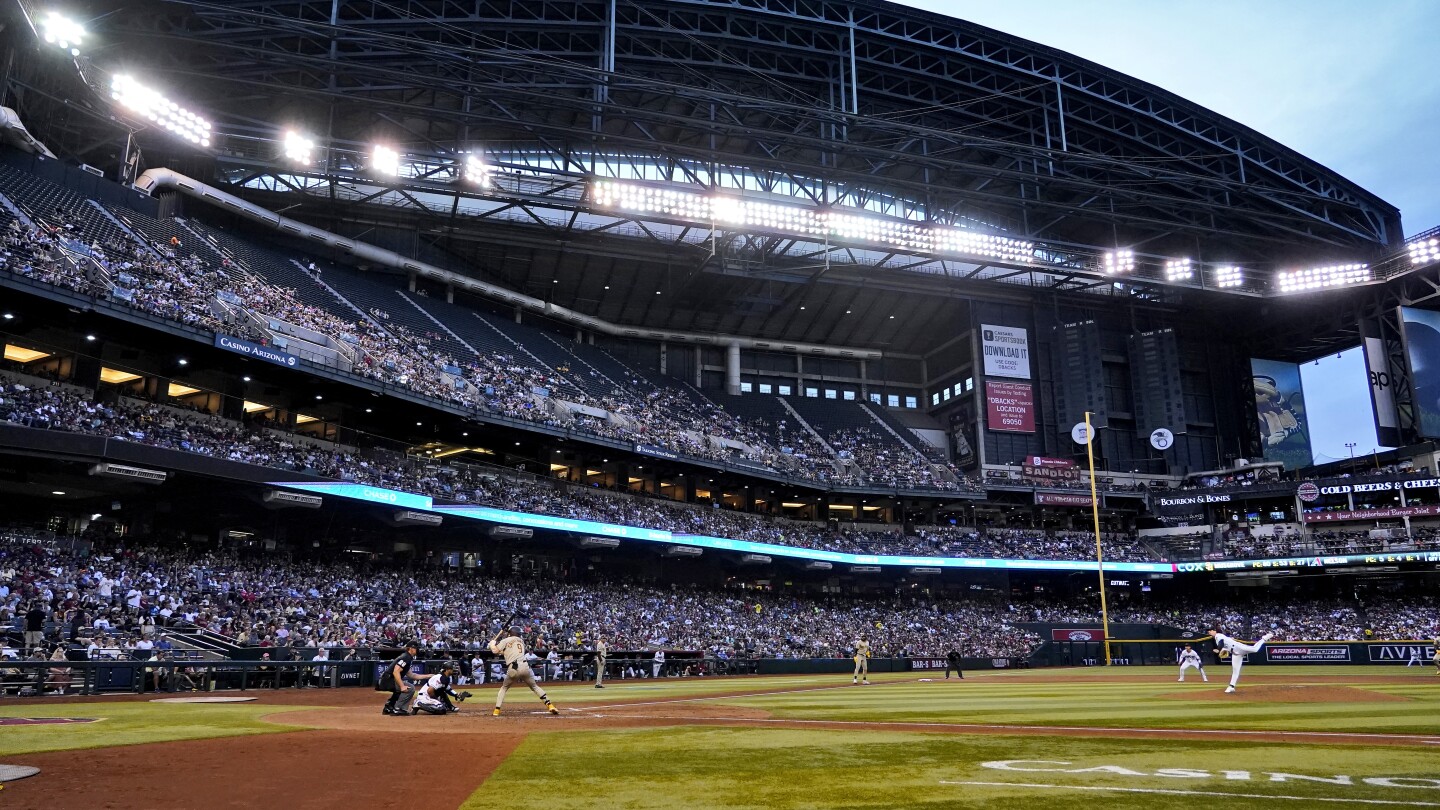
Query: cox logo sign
{"points": [[1080, 635]]}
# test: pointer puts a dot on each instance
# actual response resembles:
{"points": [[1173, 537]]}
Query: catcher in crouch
{"points": [[507, 643], [437, 694]]}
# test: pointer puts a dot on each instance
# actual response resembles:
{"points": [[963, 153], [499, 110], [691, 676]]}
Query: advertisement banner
{"points": [[1314, 653], [1049, 475], [1400, 653], [256, 351], [1280, 413], [1010, 407], [1422, 350], [1382, 392], [1043, 461], [657, 452], [1370, 514], [1006, 350], [1077, 634], [1061, 499]]}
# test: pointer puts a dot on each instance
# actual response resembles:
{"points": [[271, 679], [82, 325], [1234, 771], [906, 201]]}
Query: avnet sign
{"points": [[1399, 653]]}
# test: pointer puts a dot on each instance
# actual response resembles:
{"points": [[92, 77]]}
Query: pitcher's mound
{"points": [[1288, 694]]}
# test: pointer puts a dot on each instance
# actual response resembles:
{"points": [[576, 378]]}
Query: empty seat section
{"points": [[276, 269], [557, 357], [467, 324], [59, 207], [383, 302]]}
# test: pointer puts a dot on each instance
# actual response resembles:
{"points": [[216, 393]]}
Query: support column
{"points": [[732, 369], [799, 375], [662, 358], [410, 280], [699, 368], [449, 293]]}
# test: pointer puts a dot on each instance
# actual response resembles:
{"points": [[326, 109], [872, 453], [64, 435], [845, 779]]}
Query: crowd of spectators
{"points": [[111, 599], [106, 597], [56, 407], [216, 293]]}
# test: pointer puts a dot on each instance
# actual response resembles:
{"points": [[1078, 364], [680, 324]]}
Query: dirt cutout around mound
{"points": [[1273, 693]]}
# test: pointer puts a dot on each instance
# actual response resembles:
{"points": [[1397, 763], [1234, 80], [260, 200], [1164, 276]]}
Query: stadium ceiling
{"points": [[836, 106]]}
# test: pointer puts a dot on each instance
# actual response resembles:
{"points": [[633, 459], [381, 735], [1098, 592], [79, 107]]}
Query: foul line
{"points": [[1098, 730], [731, 697], [1164, 791]]}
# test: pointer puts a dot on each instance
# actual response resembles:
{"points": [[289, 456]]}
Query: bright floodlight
{"points": [[298, 148], [1315, 278], [62, 32], [1228, 276], [1178, 270], [1120, 261], [155, 108], [476, 171], [1424, 251], [385, 160]]}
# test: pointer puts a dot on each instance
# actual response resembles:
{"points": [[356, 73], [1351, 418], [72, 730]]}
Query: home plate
{"points": [[203, 700], [9, 773]]}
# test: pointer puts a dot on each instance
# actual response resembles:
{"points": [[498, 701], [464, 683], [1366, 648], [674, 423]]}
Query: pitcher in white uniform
{"points": [[1236, 651]]}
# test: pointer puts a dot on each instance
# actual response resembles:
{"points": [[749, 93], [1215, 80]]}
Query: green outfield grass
{"points": [[782, 768], [130, 723], [780, 765], [1090, 701], [786, 767]]}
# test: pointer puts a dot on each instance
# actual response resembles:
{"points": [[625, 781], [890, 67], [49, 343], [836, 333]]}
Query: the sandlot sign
{"points": [[1060, 766]]}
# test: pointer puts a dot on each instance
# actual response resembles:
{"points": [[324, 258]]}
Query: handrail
{"points": [[154, 180]]}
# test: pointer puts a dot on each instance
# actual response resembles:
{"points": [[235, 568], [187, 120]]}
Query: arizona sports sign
{"points": [[1077, 634]]}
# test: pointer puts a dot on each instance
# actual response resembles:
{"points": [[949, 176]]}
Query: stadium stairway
{"points": [[805, 423], [45, 203], [387, 306], [277, 270], [487, 340]]}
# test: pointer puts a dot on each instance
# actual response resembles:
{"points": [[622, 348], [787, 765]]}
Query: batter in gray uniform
{"points": [[508, 645]]}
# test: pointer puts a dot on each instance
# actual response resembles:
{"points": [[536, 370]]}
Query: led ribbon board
{"points": [[550, 522], [362, 492]]}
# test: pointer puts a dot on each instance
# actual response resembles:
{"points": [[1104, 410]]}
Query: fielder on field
{"points": [[600, 649], [1436, 657], [862, 662], [508, 645], [1236, 651], [1191, 659]]}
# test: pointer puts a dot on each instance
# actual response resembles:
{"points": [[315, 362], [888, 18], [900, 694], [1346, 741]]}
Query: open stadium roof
{"points": [[594, 153]]}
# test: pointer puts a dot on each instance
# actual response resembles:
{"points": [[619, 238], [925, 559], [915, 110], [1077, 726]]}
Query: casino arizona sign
{"points": [[1060, 766]]}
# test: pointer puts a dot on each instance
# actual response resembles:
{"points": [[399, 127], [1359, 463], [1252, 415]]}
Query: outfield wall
{"points": [[1396, 653]]}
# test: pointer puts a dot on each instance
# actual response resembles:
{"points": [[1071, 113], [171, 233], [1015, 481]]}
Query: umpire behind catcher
{"points": [[394, 678]]}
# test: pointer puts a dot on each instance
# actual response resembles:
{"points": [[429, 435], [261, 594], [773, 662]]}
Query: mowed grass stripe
{"points": [[745, 768], [1108, 705]]}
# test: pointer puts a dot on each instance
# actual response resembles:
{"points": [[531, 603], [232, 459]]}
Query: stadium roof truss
{"points": [[861, 108]]}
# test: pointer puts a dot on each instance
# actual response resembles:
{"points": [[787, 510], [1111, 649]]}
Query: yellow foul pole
{"points": [[1099, 553]]}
